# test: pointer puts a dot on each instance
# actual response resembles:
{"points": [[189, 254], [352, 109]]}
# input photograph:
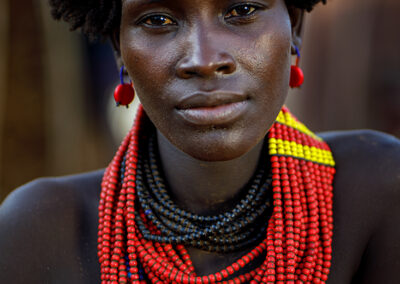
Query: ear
{"points": [[296, 18], [114, 38]]}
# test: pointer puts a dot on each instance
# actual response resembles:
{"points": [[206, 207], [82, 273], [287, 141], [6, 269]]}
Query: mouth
{"points": [[215, 108]]}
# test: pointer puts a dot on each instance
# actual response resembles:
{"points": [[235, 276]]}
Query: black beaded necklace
{"points": [[240, 227]]}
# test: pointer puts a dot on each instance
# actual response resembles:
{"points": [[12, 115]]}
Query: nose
{"points": [[206, 55]]}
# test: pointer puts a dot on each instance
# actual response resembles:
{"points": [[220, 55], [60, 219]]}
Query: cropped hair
{"points": [[99, 18]]}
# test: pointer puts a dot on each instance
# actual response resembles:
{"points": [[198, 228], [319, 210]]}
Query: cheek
{"points": [[148, 64], [268, 59], [267, 62], [276, 69], [280, 57]]}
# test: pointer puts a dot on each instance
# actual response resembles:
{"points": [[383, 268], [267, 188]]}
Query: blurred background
{"points": [[57, 116]]}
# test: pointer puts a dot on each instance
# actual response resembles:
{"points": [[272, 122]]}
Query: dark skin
{"points": [[48, 228]]}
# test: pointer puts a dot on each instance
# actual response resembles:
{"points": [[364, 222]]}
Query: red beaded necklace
{"points": [[298, 239]]}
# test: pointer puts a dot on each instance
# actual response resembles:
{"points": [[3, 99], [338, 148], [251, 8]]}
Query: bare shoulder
{"points": [[51, 193], [40, 223], [366, 241], [366, 138], [368, 155]]}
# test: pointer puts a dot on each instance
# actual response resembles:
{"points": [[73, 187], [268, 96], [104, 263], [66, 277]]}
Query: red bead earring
{"points": [[124, 92], [296, 74]]}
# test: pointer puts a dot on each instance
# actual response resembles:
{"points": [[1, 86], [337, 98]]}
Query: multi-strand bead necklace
{"points": [[143, 234], [230, 231]]}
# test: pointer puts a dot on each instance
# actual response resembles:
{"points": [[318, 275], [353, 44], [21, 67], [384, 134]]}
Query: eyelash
{"points": [[252, 7], [145, 21]]}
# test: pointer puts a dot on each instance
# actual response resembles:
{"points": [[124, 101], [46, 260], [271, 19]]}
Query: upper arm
{"points": [[368, 166], [18, 235], [382, 256], [32, 231]]}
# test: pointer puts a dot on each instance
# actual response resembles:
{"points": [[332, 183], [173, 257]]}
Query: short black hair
{"points": [[99, 18]]}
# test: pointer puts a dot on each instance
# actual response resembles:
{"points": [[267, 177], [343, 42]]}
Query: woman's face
{"points": [[212, 75]]}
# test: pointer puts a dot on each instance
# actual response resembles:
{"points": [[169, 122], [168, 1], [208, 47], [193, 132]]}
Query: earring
{"points": [[296, 74], [124, 92]]}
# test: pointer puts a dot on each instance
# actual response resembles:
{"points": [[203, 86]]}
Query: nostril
{"points": [[190, 73], [186, 73], [223, 69]]}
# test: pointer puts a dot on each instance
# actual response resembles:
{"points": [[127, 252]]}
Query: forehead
{"points": [[191, 3]]}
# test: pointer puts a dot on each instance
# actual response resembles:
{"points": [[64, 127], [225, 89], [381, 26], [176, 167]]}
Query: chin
{"points": [[218, 145]]}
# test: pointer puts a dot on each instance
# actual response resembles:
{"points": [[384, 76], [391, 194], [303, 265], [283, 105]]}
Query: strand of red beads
{"points": [[298, 241]]}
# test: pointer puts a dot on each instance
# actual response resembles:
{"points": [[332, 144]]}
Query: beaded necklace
{"points": [[296, 247], [230, 231]]}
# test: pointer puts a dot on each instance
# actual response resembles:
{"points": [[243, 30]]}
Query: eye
{"points": [[157, 21], [242, 10]]}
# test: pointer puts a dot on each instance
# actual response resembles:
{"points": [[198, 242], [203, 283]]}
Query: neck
{"points": [[205, 187]]}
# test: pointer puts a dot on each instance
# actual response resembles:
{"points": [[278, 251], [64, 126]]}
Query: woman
{"points": [[207, 183]]}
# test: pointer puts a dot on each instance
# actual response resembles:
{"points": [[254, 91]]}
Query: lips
{"points": [[215, 108], [199, 100]]}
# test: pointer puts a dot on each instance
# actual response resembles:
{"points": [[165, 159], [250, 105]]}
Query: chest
{"points": [[349, 242]]}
